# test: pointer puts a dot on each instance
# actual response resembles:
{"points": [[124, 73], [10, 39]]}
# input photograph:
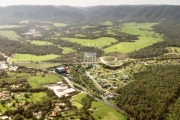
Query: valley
{"points": [[90, 63]]}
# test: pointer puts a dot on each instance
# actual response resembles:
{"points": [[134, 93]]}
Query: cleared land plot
{"points": [[174, 50], [9, 34], [100, 42], [42, 65], [60, 24], [147, 37], [67, 50], [105, 112], [38, 42], [32, 58], [38, 81], [106, 23], [9, 26], [24, 22]]}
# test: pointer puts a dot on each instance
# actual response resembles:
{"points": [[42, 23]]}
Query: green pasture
{"points": [[107, 23], [105, 112], [37, 81], [38, 42], [80, 35], [60, 24], [9, 34], [9, 26], [67, 50], [32, 58], [174, 49], [79, 97], [24, 22], [99, 42], [87, 26], [146, 38]]}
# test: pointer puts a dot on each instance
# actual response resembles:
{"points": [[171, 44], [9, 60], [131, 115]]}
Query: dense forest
{"points": [[154, 95]]}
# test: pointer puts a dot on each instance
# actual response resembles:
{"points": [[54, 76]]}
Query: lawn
{"points": [[147, 37], [100, 42], [38, 42], [9, 34], [60, 24], [79, 97], [174, 49], [105, 112], [107, 23], [37, 81], [67, 50], [32, 58], [24, 22], [9, 26]]}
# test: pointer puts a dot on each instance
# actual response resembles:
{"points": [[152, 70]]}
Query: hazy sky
{"points": [[86, 2]]}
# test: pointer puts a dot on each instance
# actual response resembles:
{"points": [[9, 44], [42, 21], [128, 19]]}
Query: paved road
{"points": [[104, 99], [94, 81]]}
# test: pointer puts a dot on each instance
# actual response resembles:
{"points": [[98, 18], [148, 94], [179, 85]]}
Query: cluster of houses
{"points": [[32, 32], [5, 95], [4, 66], [61, 89]]}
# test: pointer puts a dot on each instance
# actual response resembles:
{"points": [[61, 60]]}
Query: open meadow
{"points": [[38, 42], [31, 58], [146, 38], [9, 34], [100, 42]]}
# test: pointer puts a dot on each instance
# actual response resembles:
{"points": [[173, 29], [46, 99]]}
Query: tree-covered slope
{"points": [[153, 94]]}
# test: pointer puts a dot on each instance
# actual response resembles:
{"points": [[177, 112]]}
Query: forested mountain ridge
{"points": [[69, 14]]}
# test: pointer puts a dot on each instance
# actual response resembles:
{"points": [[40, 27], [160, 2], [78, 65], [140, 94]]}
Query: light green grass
{"points": [[80, 35], [173, 49], [32, 58], [106, 23], [9, 34], [100, 42], [60, 24], [38, 81], [67, 50], [9, 26], [38, 42], [79, 97], [87, 26], [24, 22], [105, 112], [145, 39], [41, 65], [78, 105], [38, 96]]}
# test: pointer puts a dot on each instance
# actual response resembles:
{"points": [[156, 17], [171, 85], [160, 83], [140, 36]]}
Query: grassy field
{"points": [[9, 34], [147, 37], [100, 42], [42, 65], [9, 26], [67, 50], [174, 49], [24, 22], [79, 97], [37, 81], [38, 42], [32, 58], [60, 24], [105, 112], [107, 23]]}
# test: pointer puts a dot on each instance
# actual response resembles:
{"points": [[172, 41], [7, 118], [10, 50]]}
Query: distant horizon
{"points": [[82, 3], [93, 5]]}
